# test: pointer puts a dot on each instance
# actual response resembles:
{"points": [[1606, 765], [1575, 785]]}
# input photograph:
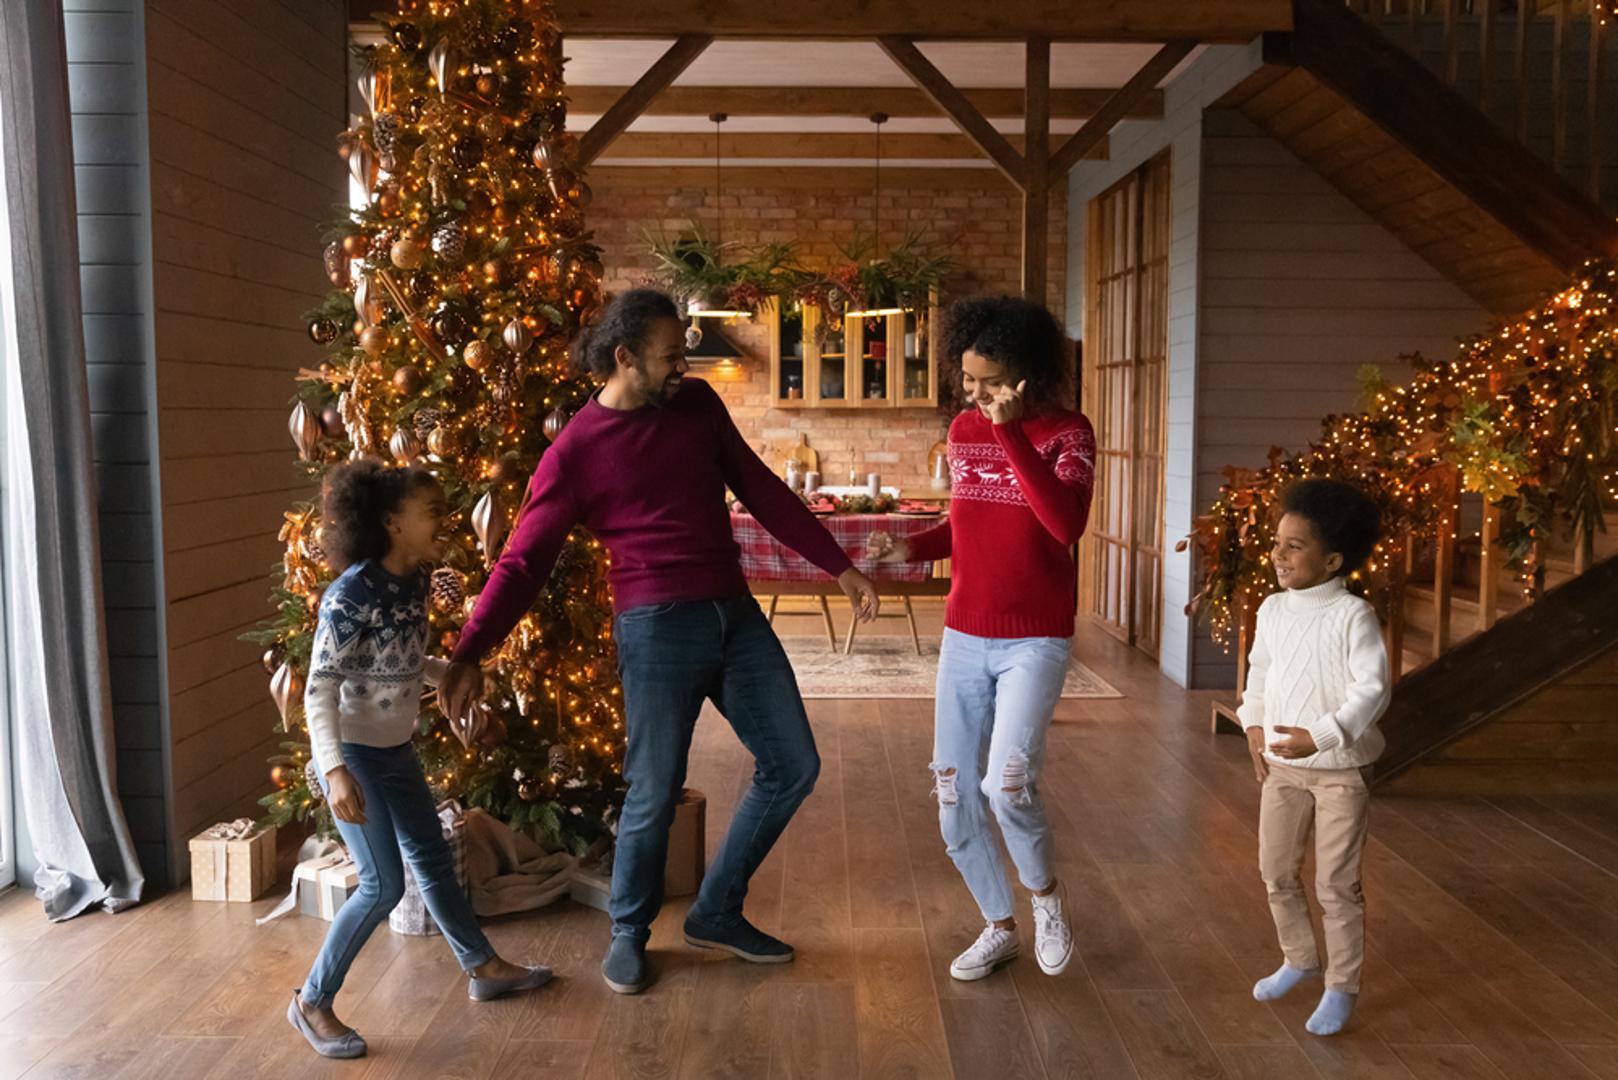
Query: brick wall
{"points": [[975, 212]]}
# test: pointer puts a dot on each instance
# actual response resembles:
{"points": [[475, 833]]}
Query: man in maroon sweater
{"points": [[644, 466]]}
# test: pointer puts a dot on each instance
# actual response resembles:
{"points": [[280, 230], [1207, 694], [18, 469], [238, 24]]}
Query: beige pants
{"points": [[1335, 804]]}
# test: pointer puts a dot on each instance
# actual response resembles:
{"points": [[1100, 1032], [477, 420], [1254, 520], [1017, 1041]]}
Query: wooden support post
{"points": [[1398, 568], [1444, 569], [611, 124], [1595, 145], [1486, 58], [1489, 570], [1036, 196], [1452, 56], [1525, 15], [831, 627], [943, 93], [1559, 84]]}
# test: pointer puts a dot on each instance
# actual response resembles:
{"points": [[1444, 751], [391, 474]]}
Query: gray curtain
{"points": [[62, 708]]}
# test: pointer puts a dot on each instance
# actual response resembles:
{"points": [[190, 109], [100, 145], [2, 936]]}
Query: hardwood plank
{"points": [[1162, 1037], [1265, 1062], [814, 1042], [573, 1008], [900, 1028], [989, 1037], [733, 1016], [816, 910], [1448, 1062], [542, 1059], [642, 1036], [1500, 1031], [882, 893]]}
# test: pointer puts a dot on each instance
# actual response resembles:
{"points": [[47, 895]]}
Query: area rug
{"points": [[888, 667]]}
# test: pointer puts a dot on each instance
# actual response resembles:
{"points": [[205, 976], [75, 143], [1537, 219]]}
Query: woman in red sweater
{"points": [[1022, 466]]}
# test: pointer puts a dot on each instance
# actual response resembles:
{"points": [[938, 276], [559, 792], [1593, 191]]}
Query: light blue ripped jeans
{"points": [[995, 699]]}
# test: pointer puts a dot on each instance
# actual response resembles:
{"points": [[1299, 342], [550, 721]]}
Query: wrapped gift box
{"points": [[233, 861], [410, 916], [324, 885], [682, 873]]}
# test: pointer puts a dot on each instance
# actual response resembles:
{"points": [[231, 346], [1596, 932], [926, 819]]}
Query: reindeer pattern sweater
{"points": [[1020, 501]]}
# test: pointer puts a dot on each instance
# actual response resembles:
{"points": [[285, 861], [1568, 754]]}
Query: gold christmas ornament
{"points": [[336, 261], [489, 523], [408, 380], [440, 443], [286, 686], [491, 127], [404, 446], [517, 336], [355, 245], [555, 422], [488, 83], [374, 341], [477, 354], [304, 426], [271, 659], [406, 254]]}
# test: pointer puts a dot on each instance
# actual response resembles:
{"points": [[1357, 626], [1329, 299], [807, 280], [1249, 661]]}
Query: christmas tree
{"points": [[456, 289]]}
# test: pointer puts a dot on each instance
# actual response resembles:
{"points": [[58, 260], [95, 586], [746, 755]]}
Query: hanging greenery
{"points": [[1523, 415], [700, 272]]}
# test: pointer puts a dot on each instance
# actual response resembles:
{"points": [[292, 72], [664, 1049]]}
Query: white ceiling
{"points": [[967, 64], [731, 62]]}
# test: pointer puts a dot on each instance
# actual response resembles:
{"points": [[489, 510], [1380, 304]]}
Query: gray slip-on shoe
{"points": [[347, 1045], [487, 989], [623, 969]]}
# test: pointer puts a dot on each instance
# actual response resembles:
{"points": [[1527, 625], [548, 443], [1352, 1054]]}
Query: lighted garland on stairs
{"points": [[1525, 414]]}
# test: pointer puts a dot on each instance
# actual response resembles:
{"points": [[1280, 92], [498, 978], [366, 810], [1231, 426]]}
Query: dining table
{"points": [[774, 570]]}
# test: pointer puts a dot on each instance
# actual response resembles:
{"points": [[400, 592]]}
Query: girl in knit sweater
{"points": [[380, 527], [1022, 465], [1317, 681]]}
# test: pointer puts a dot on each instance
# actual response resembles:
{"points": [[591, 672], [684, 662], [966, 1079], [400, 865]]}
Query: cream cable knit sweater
{"points": [[1318, 663]]}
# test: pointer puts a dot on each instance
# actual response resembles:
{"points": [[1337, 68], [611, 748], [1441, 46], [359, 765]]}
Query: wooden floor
{"points": [[1493, 942]]}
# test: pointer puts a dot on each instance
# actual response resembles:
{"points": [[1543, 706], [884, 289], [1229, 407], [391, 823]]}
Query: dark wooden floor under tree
{"points": [[1493, 942]]}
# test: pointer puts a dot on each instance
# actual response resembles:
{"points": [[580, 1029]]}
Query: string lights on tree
{"points": [[455, 291]]}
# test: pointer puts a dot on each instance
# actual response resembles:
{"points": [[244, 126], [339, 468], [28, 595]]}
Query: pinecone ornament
{"points": [[505, 386], [386, 128], [424, 420], [449, 243], [448, 589], [311, 773], [560, 758]]}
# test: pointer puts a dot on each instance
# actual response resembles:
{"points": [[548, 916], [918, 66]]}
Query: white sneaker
{"points": [[1053, 938], [992, 948]]}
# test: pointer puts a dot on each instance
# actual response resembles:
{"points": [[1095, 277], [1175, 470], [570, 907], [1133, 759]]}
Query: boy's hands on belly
{"points": [[1295, 742]]}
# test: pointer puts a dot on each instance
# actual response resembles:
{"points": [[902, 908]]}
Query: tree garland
{"points": [[1524, 415]]}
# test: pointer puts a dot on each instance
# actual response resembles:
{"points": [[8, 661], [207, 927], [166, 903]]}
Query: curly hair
{"points": [[355, 501], [1018, 333], [625, 321], [1344, 517]]}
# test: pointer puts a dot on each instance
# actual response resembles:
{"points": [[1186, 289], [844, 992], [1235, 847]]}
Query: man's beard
{"points": [[661, 394]]}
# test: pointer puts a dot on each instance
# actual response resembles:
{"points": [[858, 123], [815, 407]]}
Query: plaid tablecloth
{"points": [[766, 559]]}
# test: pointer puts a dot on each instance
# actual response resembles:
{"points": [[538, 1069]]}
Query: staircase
{"points": [[1481, 133], [1485, 204]]}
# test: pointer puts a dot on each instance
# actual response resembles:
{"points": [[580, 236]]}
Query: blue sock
{"points": [[1332, 1013], [1280, 984]]}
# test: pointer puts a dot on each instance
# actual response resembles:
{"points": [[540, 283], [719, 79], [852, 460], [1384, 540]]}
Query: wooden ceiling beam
{"points": [[930, 81], [622, 113], [1233, 21], [861, 101], [808, 145], [1120, 105]]}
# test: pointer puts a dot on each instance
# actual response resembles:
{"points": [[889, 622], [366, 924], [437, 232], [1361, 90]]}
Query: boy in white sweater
{"points": [[1317, 681]]}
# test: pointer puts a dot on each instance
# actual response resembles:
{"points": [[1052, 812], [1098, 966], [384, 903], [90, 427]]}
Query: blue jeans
{"points": [[995, 699], [399, 817], [673, 657]]}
